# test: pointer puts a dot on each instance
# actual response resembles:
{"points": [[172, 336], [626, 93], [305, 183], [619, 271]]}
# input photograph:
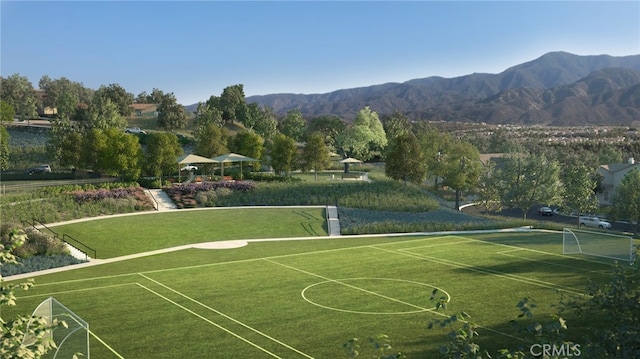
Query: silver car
{"points": [[594, 222]]}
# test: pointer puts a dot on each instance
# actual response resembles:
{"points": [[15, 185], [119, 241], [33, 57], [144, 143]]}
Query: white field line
{"points": [[352, 286], [106, 345], [499, 274], [50, 294], [392, 299], [222, 315], [208, 321], [433, 245]]}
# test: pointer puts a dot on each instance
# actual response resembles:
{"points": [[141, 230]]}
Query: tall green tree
{"points": [[293, 125], [365, 135], [231, 102], [161, 154], [64, 95], [579, 187], [332, 128], [18, 92], [171, 115], [404, 159], [121, 155], [283, 154], [315, 155], [626, 200], [156, 96], [93, 144], [205, 115], [211, 140], [395, 124], [6, 112], [528, 179], [249, 144], [461, 168], [103, 114], [118, 96], [435, 145]]}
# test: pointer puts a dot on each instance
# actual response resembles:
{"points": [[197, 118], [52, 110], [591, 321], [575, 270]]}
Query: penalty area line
{"points": [[105, 344]]}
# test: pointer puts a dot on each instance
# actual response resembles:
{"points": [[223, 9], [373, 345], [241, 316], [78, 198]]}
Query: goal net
{"points": [[72, 339], [598, 244]]}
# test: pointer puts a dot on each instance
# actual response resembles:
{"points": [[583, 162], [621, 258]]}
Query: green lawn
{"points": [[304, 299], [117, 236]]}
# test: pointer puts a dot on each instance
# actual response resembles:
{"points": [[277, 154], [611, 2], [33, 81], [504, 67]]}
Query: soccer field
{"points": [[304, 299]]}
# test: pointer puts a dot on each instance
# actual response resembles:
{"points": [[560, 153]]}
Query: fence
{"points": [[33, 185]]}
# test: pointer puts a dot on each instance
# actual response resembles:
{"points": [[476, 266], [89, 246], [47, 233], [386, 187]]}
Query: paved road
{"points": [[533, 214]]}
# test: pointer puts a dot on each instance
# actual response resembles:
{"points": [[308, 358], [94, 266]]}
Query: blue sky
{"points": [[196, 49]]}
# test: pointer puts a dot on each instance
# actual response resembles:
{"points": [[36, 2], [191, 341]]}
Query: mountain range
{"points": [[556, 89]]}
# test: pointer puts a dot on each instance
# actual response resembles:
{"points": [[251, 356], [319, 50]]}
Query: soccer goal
{"points": [[598, 244], [72, 339]]}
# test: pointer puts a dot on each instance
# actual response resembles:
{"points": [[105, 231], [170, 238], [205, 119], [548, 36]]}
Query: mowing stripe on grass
{"points": [[406, 252], [223, 315], [208, 321], [508, 254]]}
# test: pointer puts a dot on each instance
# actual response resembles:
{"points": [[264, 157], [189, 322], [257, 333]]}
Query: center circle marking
{"points": [[346, 281]]}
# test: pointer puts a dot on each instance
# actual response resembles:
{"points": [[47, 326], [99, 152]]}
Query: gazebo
{"points": [[347, 161]]}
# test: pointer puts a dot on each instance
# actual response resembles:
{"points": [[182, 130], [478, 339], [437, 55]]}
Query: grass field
{"points": [[304, 299]]}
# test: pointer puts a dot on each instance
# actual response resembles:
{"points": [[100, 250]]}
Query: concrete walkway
{"points": [[161, 200]]}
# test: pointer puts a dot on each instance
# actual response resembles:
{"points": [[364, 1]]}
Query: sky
{"points": [[194, 49]]}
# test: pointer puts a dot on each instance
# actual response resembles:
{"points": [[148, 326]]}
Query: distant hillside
{"points": [[556, 89]]}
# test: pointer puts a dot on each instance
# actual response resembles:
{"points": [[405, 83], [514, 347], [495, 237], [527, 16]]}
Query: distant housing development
{"points": [[612, 175]]}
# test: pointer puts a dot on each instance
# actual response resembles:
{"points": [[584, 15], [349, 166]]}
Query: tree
{"points": [[4, 148], [293, 125], [64, 95], [6, 112], [171, 114], [396, 124], [331, 128], [404, 159], [283, 154], [18, 92], [121, 155], [262, 120], [14, 330], [365, 135], [205, 115], [93, 143], [527, 179], [103, 114], [579, 189], [249, 144], [315, 155], [626, 200], [211, 140], [118, 96], [162, 152], [156, 96], [461, 168], [231, 102], [435, 146]]}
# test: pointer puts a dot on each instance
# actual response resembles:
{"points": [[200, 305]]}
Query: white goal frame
{"points": [[578, 241]]}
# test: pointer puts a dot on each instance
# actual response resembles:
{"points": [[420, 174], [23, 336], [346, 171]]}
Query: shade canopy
{"points": [[191, 158], [350, 160], [347, 161], [232, 157]]}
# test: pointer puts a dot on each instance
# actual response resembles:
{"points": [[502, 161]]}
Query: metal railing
{"points": [[66, 239]]}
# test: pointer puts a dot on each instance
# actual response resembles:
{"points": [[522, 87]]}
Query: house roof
{"points": [[144, 106], [617, 167]]}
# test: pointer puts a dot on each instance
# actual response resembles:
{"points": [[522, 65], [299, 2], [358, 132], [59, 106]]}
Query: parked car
{"points": [[595, 222], [545, 211], [135, 130], [189, 167], [39, 169]]}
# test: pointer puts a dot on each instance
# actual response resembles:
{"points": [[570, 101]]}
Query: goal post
{"points": [[72, 339], [599, 244]]}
